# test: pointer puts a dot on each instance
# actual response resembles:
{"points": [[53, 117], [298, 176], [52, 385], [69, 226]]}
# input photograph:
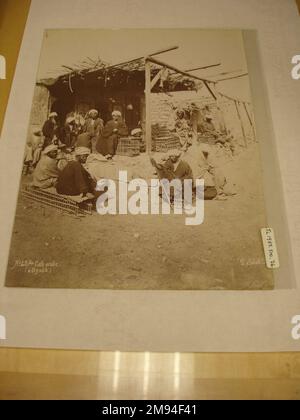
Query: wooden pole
{"points": [[206, 82], [210, 89], [250, 120], [140, 58], [241, 121], [161, 63], [204, 67], [220, 109], [156, 79], [148, 106], [104, 69], [233, 77]]}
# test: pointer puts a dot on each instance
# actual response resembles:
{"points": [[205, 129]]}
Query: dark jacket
{"points": [[49, 130], [108, 142], [74, 180], [183, 170], [84, 140]]}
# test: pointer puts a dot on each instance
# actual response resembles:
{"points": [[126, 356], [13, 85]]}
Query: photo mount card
{"points": [[143, 119]]}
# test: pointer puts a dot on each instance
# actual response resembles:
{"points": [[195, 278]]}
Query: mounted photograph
{"points": [[142, 167]]}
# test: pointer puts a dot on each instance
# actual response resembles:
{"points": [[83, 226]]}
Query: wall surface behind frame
{"points": [[13, 15], [65, 374]]}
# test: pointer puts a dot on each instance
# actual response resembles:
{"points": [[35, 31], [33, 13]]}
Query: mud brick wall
{"points": [[163, 104]]}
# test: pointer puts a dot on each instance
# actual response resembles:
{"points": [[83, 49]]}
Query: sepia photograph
{"points": [[142, 166]]}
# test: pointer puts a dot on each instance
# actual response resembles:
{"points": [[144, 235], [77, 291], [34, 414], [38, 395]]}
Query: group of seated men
{"points": [[64, 169], [91, 132], [69, 177], [191, 164]]}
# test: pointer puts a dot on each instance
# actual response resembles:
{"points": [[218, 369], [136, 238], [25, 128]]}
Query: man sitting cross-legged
{"points": [[74, 180], [46, 173]]}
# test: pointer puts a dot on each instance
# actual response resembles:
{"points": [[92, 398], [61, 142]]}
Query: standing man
{"points": [[108, 143], [50, 129], [93, 127]]}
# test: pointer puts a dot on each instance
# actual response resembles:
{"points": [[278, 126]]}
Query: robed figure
{"points": [[108, 142]]}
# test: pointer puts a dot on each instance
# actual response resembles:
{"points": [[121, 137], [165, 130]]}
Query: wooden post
{"points": [[251, 122], [209, 89], [156, 78], [176, 70], [148, 106], [219, 106], [241, 121]]}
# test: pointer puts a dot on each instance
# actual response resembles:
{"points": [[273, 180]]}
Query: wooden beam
{"points": [[164, 51], [205, 81], [241, 121], [231, 98], [233, 77], [184, 73], [250, 120], [156, 79], [140, 58], [221, 108], [204, 67], [148, 132], [210, 89], [92, 70]]}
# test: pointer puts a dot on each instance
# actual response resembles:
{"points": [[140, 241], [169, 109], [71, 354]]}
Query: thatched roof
{"points": [[127, 75]]}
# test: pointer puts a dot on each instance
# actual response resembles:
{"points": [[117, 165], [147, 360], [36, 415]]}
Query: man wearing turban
{"points": [[46, 172], [108, 143], [50, 129], [74, 180]]}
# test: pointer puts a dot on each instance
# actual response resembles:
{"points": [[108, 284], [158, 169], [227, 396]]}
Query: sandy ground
{"points": [[147, 252]]}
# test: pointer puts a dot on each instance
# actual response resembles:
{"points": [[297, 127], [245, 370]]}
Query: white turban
{"points": [[69, 120], [136, 131], [53, 115], [117, 113], [93, 112], [81, 151], [50, 148], [174, 152]]}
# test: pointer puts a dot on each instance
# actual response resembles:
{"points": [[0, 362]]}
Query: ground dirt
{"points": [[147, 252]]}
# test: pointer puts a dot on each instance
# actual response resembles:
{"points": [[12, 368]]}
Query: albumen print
{"points": [[142, 166]]}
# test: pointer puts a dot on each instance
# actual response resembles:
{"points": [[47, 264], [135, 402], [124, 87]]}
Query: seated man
{"points": [[108, 141], [74, 180], [176, 167], [46, 172], [84, 140], [197, 156], [183, 129], [193, 166]]}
